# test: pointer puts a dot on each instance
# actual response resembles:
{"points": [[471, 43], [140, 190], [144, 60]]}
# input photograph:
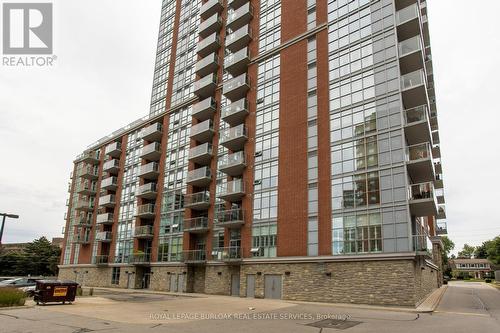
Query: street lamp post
{"points": [[12, 216]]}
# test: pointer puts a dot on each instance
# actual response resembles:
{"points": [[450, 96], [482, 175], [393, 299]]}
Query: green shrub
{"points": [[11, 297]]}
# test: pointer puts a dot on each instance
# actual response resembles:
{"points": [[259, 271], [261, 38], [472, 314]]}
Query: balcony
{"points": [[233, 218], [151, 152], [413, 89], [194, 256], [202, 132], [86, 188], [84, 221], [422, 245], [237, 63], [89, 172], [239, 39], [196, 225], [411, 57], [210, 7], [408, 22], [110, 183], [237, 87], [233, 164], [235, 4], [419, 163], [146, 211], [209, 26], [236, 112], [90, 157], [197, 201], [105, 219], [436, 151], [101, 260], [139, 259], [439, 195], [438, 167], [210, 44], [441, 228], [207, 65], [83, 240], [435, 137], [143, 232], [234, 138], [232, 191], [441, 215], [84, 205], [205, 86], [147, 191], [200, 177], [240, 17], [227, 254], [201, 154], [417, 126], [422, 199], [111, 166], [104, 236], [153, 132], [438, 182], [149, 171], [204, 109], [114, 149], [107, 201]]}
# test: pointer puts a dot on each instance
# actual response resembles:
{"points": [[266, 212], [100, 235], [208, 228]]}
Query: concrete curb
{"points": [[20, 307], [432, 301]]}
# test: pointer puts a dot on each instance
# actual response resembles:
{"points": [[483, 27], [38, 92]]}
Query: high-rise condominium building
{"points": [[291, 151]]}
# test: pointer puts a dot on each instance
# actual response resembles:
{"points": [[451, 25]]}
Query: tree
{"points": [[493, 250], [39, 257], [482, 250], [448, 246], [467, 252]]}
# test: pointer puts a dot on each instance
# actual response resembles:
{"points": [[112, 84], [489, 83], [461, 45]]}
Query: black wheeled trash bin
{"points": [[55, 291]]}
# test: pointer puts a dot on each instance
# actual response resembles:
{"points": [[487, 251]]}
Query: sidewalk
{"points": [[432, 301]]}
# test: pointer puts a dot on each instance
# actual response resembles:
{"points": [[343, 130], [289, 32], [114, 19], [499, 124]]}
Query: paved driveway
{"points": [[465, 307]]}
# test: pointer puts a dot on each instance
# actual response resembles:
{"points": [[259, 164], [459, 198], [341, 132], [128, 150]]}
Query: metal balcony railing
{"points": [[196, 224], [106, 218], [198, 199], [232, 253], [104, 236], [144, 231], [194, 256]]}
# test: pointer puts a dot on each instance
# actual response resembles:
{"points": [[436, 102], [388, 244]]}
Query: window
{"points": [[264, 240], [115, 276], [360, 233], [356, 191]]}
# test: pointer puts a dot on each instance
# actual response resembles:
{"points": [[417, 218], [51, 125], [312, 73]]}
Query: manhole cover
{"points": [[334, 323]]}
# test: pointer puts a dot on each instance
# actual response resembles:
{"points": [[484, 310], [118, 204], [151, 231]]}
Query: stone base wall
{"points": [[402, 282], [394, 282]]}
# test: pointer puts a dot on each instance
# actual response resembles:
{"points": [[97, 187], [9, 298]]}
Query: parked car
{"points": [[25, 284]]}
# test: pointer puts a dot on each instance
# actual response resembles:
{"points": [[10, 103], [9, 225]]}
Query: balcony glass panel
{"points": [[413, 79], [409, 46], [418, 152], [407, 14]]}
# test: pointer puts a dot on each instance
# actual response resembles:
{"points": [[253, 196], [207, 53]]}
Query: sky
{"points": [[102, 81]]}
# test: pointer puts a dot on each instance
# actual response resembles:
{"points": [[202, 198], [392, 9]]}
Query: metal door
{"points": [[250, 285], [173, 283], [180, 283], [272, 286], [235, 285]]}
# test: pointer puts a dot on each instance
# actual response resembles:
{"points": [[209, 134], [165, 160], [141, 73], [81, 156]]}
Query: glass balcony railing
{"points": [[442, 228], [237, 63], [207, 65], [225, 217], [104, 236], [240, 16], [235, 112], [114, 149], [89, 157], [111, 166], [197, 199], [415, 115], [146, 210], [409, 46], [239, 39], [234, 138], [196, 224], [85, 220], [106, 218], [407, 14], [237, 87], [149, 171], [232, 164], [232, 253], [152, 132], [204, 109], [418, 152], [208, 45], [151, 151], [201, 153], [194, 256], [148, 190], [199, 177], [413, 79], [201, 128], [109, 183], [84, 205], [210, 7], [422, 191], [210, 25], [205, 85], [107, 200], [144, 231], [232, 190], [88, 172], [422, 245]]}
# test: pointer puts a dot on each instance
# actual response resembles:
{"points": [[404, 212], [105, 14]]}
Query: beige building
{"points": [[473, 268]]}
